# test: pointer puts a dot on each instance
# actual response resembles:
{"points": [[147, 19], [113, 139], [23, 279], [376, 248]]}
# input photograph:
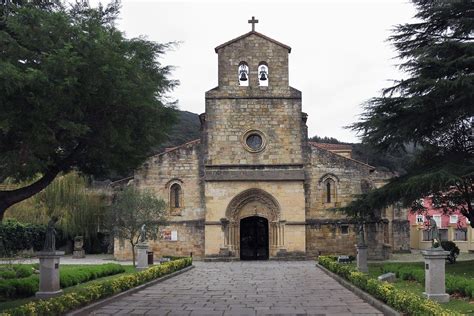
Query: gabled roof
{"points": [[318, 145], [257, 34]]}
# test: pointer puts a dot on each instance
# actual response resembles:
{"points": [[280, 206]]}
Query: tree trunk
{"points": [[11, 197], [133, 253]]}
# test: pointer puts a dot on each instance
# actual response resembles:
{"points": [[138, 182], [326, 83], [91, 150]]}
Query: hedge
{"points": [[25, 287], [454, 284], [402, 301], [97, 290], [16, 236]]}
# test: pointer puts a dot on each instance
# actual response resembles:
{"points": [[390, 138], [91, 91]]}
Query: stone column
{"points": [[362, 258], [435, 287], [142, 255], [49, 274]]}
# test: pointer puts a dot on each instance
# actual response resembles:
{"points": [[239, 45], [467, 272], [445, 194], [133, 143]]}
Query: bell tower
{"points": [[253, 140]]}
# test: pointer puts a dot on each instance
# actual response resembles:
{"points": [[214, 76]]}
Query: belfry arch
{"points": [[253, 203]]}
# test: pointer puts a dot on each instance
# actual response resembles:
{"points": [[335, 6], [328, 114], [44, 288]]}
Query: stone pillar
{"points": [[49, 274], [435, 287], [142, 256], [362, 259]]}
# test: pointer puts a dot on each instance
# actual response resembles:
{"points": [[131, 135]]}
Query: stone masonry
{"points": [[292, 185]]}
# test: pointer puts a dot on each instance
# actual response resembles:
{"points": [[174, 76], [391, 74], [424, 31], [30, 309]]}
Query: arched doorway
{"points": [[254, 238]]}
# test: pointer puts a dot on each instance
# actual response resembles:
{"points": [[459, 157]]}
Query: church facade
{"points": [[253, 186]]}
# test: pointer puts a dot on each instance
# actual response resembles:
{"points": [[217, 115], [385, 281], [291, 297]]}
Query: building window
{"points": [[345, 229], [254, 141], [460, 234], [453, 219], [420, 219], [437, 219], [263, 74], [243, 74], [330, 191], [176, 199]]}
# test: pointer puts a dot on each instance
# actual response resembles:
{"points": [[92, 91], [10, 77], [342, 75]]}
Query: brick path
{"points": [[244, 288]]}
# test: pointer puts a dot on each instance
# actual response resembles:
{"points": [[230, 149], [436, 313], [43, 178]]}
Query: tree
{"points": [[432, 109], [76, 94], [131, 210], [69, 197]]}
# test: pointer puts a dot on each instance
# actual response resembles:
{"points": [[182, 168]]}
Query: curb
{"points": [[86, 310], [381, 306]]}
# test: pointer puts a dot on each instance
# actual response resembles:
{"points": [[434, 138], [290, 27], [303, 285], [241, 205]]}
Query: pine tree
{"points": [[433, 108]]}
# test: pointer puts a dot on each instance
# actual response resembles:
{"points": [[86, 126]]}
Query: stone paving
{"points": [[244, 288]]}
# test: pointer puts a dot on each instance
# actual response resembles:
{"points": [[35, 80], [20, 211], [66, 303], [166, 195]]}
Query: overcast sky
{"points": [[339, 57]]}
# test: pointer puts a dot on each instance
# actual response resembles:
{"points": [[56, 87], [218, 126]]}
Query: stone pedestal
{"points": [[49, 274], [362, 259], [78, 251], [435, 286], [142, 256]]}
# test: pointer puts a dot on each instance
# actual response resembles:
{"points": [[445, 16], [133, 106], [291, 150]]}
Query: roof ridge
{"points": [[178, 147], [314, 144], [254, 33]]}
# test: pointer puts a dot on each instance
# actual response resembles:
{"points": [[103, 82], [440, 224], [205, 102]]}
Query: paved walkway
{"points": [[244, 288]]}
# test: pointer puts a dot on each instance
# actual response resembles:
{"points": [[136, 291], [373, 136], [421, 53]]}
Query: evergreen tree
{"points": [[433, 108], [75, 94]]}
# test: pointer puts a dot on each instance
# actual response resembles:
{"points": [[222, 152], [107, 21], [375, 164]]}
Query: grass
{"points": [[15, 303], [461, 268]]}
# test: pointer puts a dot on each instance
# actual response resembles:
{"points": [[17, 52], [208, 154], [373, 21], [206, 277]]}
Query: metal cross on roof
{"points": [[253, 21]]}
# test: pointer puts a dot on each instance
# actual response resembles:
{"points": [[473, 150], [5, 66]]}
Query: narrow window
{"points": [[345, 229], [175, 195], [243, 74], [328, 192], [263, 74]]}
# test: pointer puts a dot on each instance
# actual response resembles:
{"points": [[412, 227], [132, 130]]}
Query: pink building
{"points": [[453, 226]]}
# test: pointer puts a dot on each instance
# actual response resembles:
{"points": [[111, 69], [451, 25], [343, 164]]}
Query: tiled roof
{"points": [[167, 150], [319, 146], [329, 146]]}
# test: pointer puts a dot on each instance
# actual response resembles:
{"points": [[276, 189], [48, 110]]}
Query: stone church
{"points": [[253, 186]]}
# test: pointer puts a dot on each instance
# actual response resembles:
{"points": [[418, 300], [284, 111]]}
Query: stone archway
{"points": [[253, 203]]}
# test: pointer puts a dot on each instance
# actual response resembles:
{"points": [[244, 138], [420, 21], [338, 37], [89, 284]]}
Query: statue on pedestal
{"points": [[143, 233], [434, 232], [50, 238]]}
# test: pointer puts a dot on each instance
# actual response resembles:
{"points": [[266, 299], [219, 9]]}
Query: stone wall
{"points": [[179, 165]]}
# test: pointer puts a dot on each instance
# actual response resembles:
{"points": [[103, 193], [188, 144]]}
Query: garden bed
{"points": [[400, 299], [83, 295]]}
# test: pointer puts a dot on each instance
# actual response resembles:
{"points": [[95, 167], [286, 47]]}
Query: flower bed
{"points": [[27, 286], [98, 290], [402, 301]]}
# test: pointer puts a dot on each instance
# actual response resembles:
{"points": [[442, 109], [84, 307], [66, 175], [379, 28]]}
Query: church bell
{"points": [[243, 75], [263, 76]]}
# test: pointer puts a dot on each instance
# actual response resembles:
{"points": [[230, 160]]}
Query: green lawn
{"points": [[15, 303], [461, 268]]}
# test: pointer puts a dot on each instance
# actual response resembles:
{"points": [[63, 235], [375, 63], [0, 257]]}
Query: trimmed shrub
{"points": [[402, 301], [101, 289], [25, 287]]}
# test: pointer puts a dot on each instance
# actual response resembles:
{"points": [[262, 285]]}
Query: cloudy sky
{"points": [[339, 57]]}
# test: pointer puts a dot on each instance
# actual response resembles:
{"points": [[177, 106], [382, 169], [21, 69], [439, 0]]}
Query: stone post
{"points": [[435, 287], [78, 250], [362, 258], [142, 256], [49, 274]]}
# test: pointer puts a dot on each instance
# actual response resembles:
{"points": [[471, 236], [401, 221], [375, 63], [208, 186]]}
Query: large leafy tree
{"points": [[75, 94], [433, 108]]}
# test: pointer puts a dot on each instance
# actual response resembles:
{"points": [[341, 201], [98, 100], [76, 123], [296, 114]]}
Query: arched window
{"points": [[328, 185], [175, 196], [328, 191], [243, 74], [263, 74]]}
